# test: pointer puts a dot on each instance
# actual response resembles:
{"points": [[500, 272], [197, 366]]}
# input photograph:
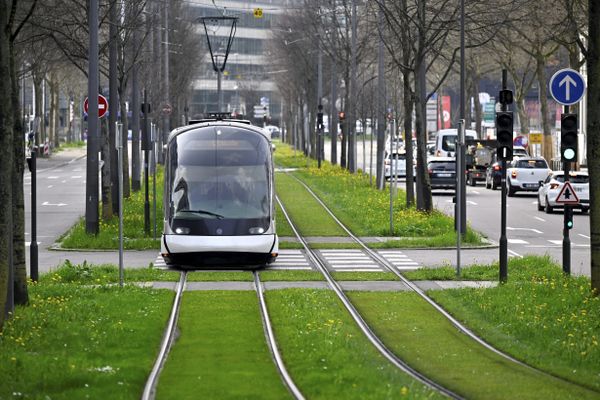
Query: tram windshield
{"points": [[220, 173]]}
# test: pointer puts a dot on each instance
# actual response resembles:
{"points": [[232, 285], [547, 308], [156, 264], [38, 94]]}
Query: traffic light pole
{"points": [[566, 244], [503, 257]]}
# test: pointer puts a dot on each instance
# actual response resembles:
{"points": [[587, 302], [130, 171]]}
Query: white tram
{"points": [[219, 196]]}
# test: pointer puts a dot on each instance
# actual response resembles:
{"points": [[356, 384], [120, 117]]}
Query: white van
{"points": [[445, 142]]}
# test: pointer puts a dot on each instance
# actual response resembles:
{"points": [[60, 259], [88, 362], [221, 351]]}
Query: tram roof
{"points": [[205, 123]]}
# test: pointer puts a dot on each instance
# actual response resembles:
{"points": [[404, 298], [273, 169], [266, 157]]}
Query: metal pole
{"points": [[320, 106], [92, 190], [462, 188], [33, 247], [334, 115], [381, 108], [119, 146], [146, 159], [566, 244], [352, 98], [503, 239], [154, 160], [219, 91], [460, 178], [113, 103], [166, 116]]}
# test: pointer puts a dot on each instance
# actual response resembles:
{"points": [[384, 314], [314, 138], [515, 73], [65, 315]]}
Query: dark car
{"points": [[442, 172], [493, 176]]}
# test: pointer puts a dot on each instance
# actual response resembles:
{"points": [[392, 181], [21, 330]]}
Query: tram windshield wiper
{"points": [[204, 212]]}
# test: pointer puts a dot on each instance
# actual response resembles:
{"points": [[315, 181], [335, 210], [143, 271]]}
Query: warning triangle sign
{"points": [[567, 195]]}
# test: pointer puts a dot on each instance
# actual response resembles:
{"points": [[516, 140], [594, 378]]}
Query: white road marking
{"points": [[524, 229], [471, 202], [64, 181], [584, 236], [50, 186], [53, 204], [474, 191], [76, 177], [514, 253], [53, 177], [555, 241], [540, 219], [517, 241]]}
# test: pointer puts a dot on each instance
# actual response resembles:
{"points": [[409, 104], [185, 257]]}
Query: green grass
{"points": [[282, 225], [291, 276], [220, 276], [326, 354], [427, 341], [89, 274], [468, 273], [134, 237], [221, 352], [539, 315], [70, 145], [351, 195], [308, 215], [364, 276], [77, 342]]}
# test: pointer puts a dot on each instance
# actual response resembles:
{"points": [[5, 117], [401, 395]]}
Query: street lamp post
{"points": [[219, 46]]}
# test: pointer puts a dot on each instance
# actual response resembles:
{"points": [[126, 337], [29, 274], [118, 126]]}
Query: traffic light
{"points": [[568, 137], [320, 121], [568, 217], [504, 134]]}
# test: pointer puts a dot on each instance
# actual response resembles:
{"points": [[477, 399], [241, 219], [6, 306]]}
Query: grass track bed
{"points": [[326, 354], [308, 215], [410, 327], [221, 352], [75, 342]]}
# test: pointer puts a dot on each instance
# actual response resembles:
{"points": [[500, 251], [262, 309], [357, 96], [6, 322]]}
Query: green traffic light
{"points": [[569, 154], [569, 224]]}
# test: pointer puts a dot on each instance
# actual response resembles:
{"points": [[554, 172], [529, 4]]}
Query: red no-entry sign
{"points": [[102, 106]]}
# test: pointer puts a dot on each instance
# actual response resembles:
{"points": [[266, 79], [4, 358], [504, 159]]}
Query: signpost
{"points": [[567, 88], [102, 106]]}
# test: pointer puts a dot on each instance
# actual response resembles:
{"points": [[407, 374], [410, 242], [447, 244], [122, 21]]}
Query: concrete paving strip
{"points": [[375, 286]]}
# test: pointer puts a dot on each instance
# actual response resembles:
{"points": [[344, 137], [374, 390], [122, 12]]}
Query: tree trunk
{"points": [[522, 112], [6, 161], [107, 207], [593, 138], [424, 201], [18, 205], [541, 75], [408, 109], [53, 120]]}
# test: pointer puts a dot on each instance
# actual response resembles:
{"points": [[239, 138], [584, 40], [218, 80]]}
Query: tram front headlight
{"points": [[256, 231], [182, 230]]}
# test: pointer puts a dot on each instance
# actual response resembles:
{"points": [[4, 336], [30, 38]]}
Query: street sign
{"points": [[536, 138], [102, 106], [258, 12], [567, 195], [166, 110], [567, 86]]}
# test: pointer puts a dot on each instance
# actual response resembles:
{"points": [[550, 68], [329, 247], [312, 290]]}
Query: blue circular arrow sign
{"points": [[567, 86]]}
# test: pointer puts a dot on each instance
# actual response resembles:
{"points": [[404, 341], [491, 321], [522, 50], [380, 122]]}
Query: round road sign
{"points": [[567, 86], [102, 106], [167, 109]]}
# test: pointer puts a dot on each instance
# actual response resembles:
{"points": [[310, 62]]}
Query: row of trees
{"points": [[422, 43], [47, 41], [422, 47]]}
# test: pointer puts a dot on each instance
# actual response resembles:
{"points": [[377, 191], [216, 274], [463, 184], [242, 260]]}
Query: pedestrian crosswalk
{"points": [[352, 260]]}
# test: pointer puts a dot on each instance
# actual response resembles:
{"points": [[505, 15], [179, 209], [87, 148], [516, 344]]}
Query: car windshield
{"points": [[531, 164]]}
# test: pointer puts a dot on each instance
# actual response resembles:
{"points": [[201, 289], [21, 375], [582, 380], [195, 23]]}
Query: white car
{"points": [[553, 184], [394, 164], [525, 174]]}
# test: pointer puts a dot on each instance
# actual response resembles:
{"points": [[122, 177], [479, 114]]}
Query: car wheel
{"points": [[539, 205], [487, 184], [511, 190], [585, 210], [472, 181], [548, 209], [494, 185]]}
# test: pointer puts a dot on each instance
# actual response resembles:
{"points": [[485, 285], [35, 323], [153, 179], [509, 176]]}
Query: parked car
{"points": [[442, 172], [274, 131], [520, 151], [525, 174], [394, 164], [493, 176], [550, 188], [445, 141]]}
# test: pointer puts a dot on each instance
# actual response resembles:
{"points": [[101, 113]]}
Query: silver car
{"points": [[395, 164], [550, 189]]}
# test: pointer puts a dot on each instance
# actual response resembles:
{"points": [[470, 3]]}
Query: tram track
{"points": [[169, 336], [387, 266], [363, 326]]}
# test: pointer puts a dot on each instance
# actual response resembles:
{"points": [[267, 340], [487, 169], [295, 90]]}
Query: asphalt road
{"points": [[529, 231]]}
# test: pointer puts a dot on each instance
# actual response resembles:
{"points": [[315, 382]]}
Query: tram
{"points": [[219, 196]]}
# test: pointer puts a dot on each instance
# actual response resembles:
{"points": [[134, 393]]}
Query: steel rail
{"points": [[364, 327], [271, 342], [381, 260], [167, 341]]}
